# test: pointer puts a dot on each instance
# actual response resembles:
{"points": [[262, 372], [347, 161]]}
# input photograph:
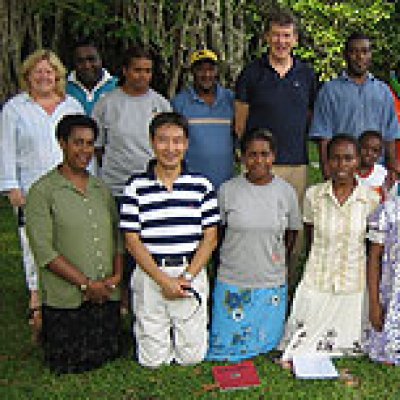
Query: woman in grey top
{"points": [[261, 218]]}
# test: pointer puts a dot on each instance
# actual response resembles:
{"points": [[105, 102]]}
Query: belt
{"points": [[173, 261]]}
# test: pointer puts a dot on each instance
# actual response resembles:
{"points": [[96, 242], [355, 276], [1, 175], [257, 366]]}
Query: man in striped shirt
{"points": [[170, 219]]}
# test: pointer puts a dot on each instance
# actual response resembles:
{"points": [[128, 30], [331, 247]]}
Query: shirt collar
{"points": [[196, 98], [345, 76], [105, 77], [62, 182], [359, 193], [150, 171], [265, 62], [27, 98]]}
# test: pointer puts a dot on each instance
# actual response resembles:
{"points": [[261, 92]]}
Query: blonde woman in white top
{"points": [[28, 146]]}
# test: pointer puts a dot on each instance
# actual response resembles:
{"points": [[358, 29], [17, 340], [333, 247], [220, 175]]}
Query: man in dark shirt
{"points": [[277, 92]]}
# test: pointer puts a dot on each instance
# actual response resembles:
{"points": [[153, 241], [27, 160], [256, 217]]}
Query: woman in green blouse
{"points": [[72, 225]]}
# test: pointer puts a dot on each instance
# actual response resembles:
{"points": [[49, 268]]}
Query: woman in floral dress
{"points": [[383, 343], [261, 218]]}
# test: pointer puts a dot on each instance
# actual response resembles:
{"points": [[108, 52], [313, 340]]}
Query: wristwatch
{"points": [[84, 286], [188, 276]]}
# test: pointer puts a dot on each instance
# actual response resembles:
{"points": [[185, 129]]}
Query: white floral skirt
{"points": [[325, 323]]}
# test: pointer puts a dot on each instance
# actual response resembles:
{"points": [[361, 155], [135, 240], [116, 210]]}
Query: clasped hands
{"points": [[174, 288], [100, 291]]}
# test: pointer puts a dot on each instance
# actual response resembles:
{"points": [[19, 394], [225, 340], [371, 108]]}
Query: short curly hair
{"points": [[37, 56]]}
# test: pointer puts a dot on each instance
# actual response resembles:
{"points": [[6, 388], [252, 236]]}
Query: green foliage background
{"points": [[325, 24], [173, 29]]}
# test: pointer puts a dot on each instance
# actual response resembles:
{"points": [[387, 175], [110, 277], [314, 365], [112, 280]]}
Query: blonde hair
{"points": [[31, 61]]}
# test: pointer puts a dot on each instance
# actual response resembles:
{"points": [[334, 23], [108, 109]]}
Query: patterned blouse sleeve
{"points": [[307, 207], [378, 224]]}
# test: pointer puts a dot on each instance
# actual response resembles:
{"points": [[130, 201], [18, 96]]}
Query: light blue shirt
{"points": [[28, 146], [343, 106], [210, 133]]}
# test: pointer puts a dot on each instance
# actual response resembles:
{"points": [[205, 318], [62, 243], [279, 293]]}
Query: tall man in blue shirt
{"points": [[209, 109], [355, 102]]}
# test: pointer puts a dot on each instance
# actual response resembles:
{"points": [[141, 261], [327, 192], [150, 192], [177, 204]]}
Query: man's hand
{"points": [[376, 317], [174, 288], [16, 198]]}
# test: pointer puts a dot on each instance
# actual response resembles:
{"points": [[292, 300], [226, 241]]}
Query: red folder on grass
{"points": [[237, 376]]}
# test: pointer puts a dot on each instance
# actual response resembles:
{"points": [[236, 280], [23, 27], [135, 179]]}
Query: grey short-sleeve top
{"points": [[256, 218]]}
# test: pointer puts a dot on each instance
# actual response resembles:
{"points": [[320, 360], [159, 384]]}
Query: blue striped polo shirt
{"points": [[211, 139], [170, 223]]}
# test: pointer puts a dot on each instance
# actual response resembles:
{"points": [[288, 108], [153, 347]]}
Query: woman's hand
{"points": [[112, 282], [376, 317], [16, 198], [97, 292]]}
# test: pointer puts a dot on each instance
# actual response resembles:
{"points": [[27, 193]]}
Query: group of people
{"points": [[165, 201]]}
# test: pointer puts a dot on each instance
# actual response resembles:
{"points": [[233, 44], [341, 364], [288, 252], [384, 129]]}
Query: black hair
{"points": [[282, 17], [168, 118], [370, 133], [355, 36], [68, 122], [343, 137], [257, 134], [85, 42], [135, 52]]}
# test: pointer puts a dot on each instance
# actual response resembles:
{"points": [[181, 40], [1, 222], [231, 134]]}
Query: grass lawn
{"points": [[22, 375]]}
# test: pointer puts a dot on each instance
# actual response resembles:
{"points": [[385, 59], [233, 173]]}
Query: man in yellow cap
{"points": [[209, 109]]}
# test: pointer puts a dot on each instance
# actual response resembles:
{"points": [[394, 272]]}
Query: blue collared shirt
{"points": [[210, 133], [88, 98], [343, 106], [28, 146]]}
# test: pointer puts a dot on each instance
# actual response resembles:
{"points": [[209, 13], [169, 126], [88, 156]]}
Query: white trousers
{"points": [[30, 268], [169, 330]]}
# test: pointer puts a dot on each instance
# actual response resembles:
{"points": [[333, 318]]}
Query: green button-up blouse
{"points": [[62, 221]]}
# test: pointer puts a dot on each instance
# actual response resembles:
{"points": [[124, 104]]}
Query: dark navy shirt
{"points": [[280, 105]]}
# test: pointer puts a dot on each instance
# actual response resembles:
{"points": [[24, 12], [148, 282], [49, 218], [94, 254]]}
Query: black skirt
{"points": [[81, 339]]}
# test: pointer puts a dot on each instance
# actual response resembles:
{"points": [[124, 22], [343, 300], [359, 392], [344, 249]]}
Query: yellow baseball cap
{"points": [[201, 55]]}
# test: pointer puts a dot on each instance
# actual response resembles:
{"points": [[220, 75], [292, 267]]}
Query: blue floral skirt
{"points": [[245, 322]]}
